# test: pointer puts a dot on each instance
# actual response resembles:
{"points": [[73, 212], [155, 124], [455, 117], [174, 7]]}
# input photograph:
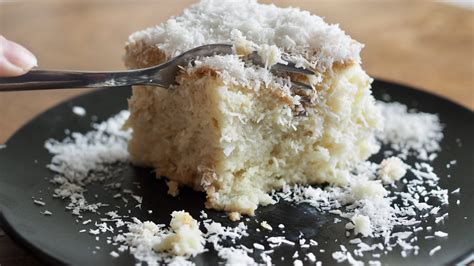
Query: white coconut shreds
{"points": [[388, 219], [409, 131], [78, 155], [78, 110], [83, 158], [317, 45]]}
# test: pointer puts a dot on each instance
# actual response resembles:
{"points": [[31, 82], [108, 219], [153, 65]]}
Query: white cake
{"points": [[237, 131]]}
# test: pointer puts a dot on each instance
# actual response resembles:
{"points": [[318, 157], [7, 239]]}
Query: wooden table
{"points": [[424, 44]]}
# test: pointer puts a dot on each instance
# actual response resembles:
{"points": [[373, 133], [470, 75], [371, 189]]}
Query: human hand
{"points": [[15, 60]]}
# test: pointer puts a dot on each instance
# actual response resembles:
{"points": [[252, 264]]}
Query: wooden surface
{"points": [[424, 44]]}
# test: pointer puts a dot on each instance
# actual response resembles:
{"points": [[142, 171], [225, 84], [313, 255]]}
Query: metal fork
{"points": [[161, 75]]}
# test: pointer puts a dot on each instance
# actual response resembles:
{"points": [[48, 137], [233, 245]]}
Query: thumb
{"points": [[15, 59]]}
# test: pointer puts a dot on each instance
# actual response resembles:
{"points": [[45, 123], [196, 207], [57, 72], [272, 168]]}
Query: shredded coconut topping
{"points": [[316, 45]]}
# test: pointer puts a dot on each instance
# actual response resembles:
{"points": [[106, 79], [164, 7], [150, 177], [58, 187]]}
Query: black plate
{"points": [[56, 239]]}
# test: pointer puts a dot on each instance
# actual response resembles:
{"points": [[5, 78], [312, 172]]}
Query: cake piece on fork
{"points": [[236, 130]]}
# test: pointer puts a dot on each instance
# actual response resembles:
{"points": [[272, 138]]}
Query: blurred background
{"points": [[425, 44]]}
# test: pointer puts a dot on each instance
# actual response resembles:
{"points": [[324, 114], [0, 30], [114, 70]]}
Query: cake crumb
{"points": [[392, 169], [265, 225], [185, 238], [243, 47], [362, 225], [234, 216], [173, 188]]}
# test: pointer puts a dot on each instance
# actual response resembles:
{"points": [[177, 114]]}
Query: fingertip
{"points": [[15, 59]]}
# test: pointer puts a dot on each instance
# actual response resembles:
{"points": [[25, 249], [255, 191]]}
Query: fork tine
{"points": [[291, 67], [300, 85], [279, 67]]}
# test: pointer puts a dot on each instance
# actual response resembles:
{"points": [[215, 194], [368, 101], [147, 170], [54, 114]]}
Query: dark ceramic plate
{"points": [[55, 239]]}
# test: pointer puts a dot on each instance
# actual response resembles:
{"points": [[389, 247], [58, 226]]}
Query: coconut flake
{"points": [[78, 110], [434, 250]]}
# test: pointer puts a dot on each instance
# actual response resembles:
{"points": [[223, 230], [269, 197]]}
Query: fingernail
{"points": [[18, 55]]}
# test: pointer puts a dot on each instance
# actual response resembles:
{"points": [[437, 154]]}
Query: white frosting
{"points": [[303, 38]]}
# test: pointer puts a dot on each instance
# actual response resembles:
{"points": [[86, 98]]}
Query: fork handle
{"points": [[51, 79]]}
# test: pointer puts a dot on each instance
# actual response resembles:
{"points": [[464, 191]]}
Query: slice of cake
{"points": [[236, 130]]}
